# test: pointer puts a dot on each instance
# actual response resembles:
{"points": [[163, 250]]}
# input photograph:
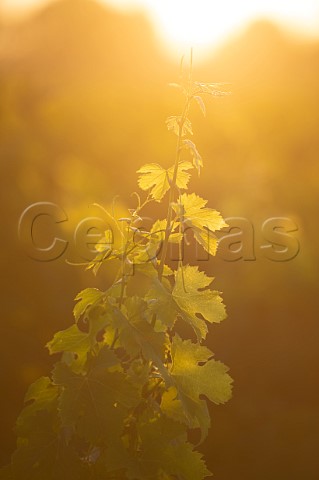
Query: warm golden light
{"points": [[204, 24], [198, 25], [207, 23]]}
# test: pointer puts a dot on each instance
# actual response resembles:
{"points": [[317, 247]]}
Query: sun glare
{"points": [[204, 24], [182, 25]]}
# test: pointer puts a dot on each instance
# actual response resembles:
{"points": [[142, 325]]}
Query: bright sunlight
{"points": [[205, 24]]}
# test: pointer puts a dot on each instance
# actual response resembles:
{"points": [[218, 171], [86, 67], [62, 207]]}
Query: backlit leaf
{"points": [[157, 179], [95, 404], [86, 298], [161, 303], [172, 406], [193, 297], [80, 343], [197, 159], [138, 336], [203, 221], [190, 299], [45, 454], [179, 124], [42, 395], [175, 457], [195, 374]]}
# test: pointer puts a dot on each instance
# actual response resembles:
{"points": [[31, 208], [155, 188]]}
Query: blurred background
{"points": [[83, 100]]}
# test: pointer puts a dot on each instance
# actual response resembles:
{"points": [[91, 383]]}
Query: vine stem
{"points": [[173, 184]]}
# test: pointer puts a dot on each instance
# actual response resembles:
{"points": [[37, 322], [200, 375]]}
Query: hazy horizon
{"points": [[201, 28]]}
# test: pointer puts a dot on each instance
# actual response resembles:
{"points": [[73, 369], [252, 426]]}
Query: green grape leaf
{"points": [[152, 460], [161, 303], [80, 343], [95, 404], [74, 341], [86, 298], [203, 221], [157, 179], [117, 461], [210, 379], [138, 336], [41, 395], [188, 299], [174, 459], [186, 463], [45, 454], [192, 297], [172, 406], [138, 372], [195, 374]]}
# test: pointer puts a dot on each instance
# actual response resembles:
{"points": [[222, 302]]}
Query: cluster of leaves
{"points": [[128, 388]]}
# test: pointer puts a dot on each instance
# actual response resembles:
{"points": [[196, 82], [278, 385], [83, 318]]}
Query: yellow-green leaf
{"points": [[96, 403], [172, 406], [190, 299], [196, 374], [79, 343], [157, 179], [203, 221], [194, 298], [86, 298], [197, 159]]}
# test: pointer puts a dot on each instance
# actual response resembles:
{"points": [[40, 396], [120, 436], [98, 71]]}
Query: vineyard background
{"points": [[83, 90]]}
